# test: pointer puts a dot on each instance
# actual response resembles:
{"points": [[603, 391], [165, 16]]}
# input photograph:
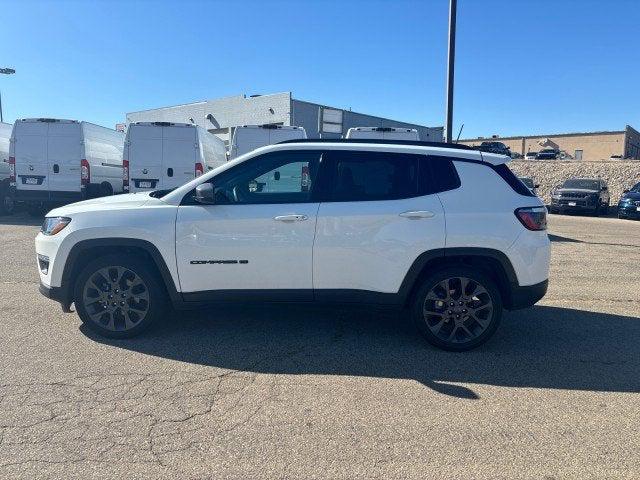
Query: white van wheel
{"points": [[106, 189]]}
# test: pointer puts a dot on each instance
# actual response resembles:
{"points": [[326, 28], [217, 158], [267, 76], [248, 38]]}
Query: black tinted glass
{"points": [[361, 176]]}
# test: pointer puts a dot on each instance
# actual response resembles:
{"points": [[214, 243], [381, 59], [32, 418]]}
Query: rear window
{"points": [[514, 182]]}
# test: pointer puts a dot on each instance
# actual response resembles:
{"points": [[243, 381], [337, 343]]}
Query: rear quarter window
{"points": [[514, 182]]}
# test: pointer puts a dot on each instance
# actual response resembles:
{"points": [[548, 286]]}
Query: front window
{"points": [[584, 184], [277, 177]]}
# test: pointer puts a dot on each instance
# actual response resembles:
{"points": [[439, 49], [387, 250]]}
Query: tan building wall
{"points": [[594, 146]]}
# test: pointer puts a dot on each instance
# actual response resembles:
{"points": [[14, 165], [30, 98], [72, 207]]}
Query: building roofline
{"points": [[206, 101], [360, 113], [552, 135]]}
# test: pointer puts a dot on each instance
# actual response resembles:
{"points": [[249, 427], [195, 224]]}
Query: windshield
{"points": [[527, 181], [578, 183]]}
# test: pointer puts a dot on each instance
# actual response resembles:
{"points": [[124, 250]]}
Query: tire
{"points": [[7, 205], [106, 190], [140, 297], [36, 209], [446, 331]]}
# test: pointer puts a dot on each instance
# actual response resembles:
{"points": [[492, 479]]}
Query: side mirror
{"points": [[626, 190], [537, 185], [205, 194], [605, 188]]}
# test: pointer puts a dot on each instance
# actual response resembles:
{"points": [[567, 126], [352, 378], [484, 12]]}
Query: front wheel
{"points": [[118, 296], [457, 308]]}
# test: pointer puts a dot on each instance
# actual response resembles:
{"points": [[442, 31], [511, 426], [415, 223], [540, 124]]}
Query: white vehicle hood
{"points": [[129, 200]]}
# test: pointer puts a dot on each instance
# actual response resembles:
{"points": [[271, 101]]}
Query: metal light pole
{"points": [[450, 69], [5, 71]]}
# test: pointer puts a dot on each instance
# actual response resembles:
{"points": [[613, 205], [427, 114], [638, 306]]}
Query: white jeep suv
{"points": [[445, 231]]}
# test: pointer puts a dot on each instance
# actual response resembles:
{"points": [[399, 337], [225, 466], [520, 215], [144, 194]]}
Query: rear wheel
{"points": [[106, 190], [457, 308], [36, 209], [7, 206], [118, 296]]}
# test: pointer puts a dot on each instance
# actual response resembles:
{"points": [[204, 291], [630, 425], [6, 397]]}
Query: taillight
{"points": [[85, 173], [12, 169], [125, 174], [533, 218], [305, 181], [199, 169]]}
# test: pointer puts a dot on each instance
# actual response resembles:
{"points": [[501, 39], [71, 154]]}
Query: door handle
{"points": [[290, 218], [416, 214], [56, 168]]}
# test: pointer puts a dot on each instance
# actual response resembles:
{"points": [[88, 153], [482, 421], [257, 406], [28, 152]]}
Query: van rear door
{"points": [[31, 155], [179, 155], [65, 152], [145, 157], [277, 135]]}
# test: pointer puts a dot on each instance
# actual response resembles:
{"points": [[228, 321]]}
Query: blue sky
{"points": [[522, 66]]}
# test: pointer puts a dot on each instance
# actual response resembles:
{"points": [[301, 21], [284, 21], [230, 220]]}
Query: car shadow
{"points": [[541, 347]]}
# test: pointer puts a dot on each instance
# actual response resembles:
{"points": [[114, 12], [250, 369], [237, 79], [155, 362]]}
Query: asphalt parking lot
{"points": [[298, 392]]}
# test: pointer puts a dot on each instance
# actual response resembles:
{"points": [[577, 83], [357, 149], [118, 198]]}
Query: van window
{"points": [[277, 177], [362, 176]]}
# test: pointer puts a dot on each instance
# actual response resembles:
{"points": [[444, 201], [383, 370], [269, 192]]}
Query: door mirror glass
{"points": [[205, 194]]}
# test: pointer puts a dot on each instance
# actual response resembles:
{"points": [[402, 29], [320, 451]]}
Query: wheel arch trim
{"points": [[119, 242]]}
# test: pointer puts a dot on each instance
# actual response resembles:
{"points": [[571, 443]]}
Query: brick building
{"points": [[580, 146]]}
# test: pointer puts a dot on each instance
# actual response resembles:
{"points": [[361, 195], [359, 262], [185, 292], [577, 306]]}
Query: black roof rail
{"points": [[416, 143]]}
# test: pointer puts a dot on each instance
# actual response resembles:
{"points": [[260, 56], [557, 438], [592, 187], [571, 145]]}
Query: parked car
{"points": [[548, 154], [165, 155], [59, 161], [6, 196], [383, 133], [589, 195], [528, 182], [530, 155], [249, 137], [362, 225], [495, 147], [629, 204]]}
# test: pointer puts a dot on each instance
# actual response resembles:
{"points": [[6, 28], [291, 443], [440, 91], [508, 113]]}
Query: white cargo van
{"points": [[165, 155], [249, 137], [383, 133], [6, 199], [60, 161]]}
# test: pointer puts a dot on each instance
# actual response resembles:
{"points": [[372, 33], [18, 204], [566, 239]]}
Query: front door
{"points": [[256, 242]]}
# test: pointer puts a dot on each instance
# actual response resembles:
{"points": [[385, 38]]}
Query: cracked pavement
{"points": [[301, 392]]}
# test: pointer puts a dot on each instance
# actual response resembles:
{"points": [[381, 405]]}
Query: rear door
{"points": [[376, 220], [179, 155], [145, 157], [31, 156], [65, 153]]}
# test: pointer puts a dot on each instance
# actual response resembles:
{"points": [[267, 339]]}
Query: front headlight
{"points": [[53, 225]]}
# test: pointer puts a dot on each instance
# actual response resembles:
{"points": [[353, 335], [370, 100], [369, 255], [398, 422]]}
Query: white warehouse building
{"points": [[220, 116]]}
